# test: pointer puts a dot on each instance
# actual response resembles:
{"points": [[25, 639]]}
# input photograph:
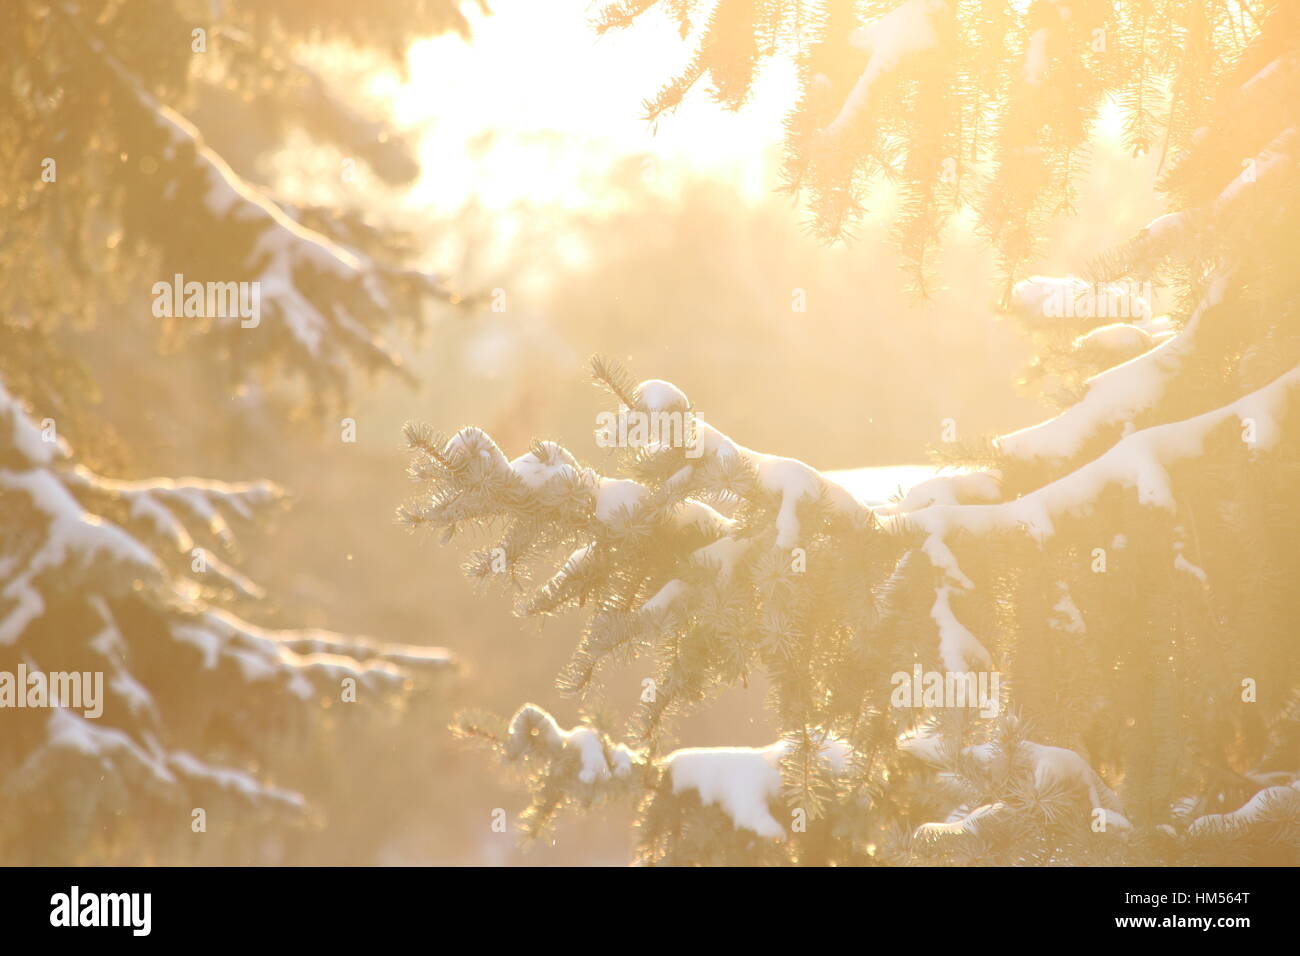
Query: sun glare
{"points": [[540, 108]]}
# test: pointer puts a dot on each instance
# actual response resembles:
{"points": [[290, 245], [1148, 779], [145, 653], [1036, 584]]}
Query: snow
{"points": [[161, 521], [206, 641], [1182, 564], [889, 41], [617, 497], [156, 501], [470, 443], [790, 480], [667, 596], [229, 779], [73, 534], [578, 556], [739, 780], [594, 765], [342, 653], [138, 699], [925, 746], [960, 650], [74, 538], [535, 472], [1058, 768], [1116, 337], [598, 761], [284, 245], [1052, 768], [656, 395], [1113, 819], [264, 655], [1138, 461], [1070, 621], [960, 824], [282, 248], [1270, 804], [1157, 236], [1115, 395], [723, 554], [742, 781], [961, 487], [692, 513], [69, 732], [24, 437], [108, 641], [1030, 297], [793, 481]]}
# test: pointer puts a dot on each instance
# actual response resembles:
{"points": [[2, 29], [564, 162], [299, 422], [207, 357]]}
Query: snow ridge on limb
{"points": [[1118, 394], [959, 649], [1139, 461], [106, 566], [533, 731], [891, 41], [324, 302], [1043, 772], [1114, 396], [582, 765], [1273, 811]]}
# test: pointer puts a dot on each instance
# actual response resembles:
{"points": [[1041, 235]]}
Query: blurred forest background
{"points": [[593, 233]]}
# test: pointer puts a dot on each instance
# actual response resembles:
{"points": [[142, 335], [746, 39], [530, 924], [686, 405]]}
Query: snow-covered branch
{"points": [[1140, 461]]}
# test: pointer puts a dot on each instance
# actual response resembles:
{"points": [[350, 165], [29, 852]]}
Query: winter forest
{"points": [[650, 432]]}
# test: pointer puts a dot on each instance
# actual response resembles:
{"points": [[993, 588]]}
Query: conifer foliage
{"points": [[959, 103], [1123, 568], [205, 722]]}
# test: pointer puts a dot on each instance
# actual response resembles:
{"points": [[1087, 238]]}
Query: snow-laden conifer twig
{"points": [[1272, 808], [481, 483], [581, 763], [890, 42], [1140, 461], [591, 756], [547, 477], [1120, 393], [121, 549], [323, 300], [1049, 773], [1115, 395]]}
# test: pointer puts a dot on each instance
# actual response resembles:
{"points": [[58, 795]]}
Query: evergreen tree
{"points": [[1122, 568], [205, 722]]}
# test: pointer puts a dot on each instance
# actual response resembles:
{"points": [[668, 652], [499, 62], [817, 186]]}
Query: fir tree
{"points": [[1122, 567], [204, 721]]}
